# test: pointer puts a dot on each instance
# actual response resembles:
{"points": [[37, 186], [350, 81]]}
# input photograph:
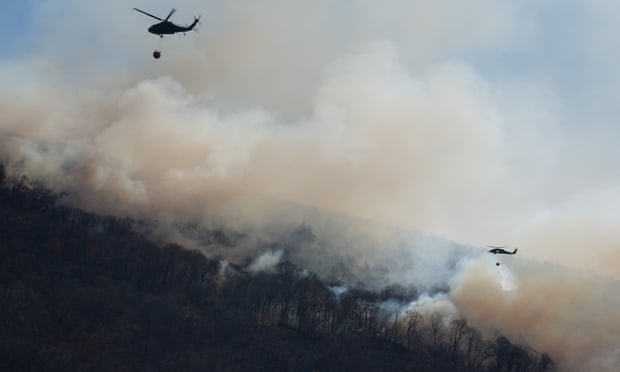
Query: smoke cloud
{"points": [[566, 313], [274, 115], [266, 262]]}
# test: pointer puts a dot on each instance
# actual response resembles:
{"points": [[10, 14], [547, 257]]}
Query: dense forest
{"points": [[87, 293]]}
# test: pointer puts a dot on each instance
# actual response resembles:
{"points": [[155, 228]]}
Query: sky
{"points": [[16, 21], [496, 124], [485, 122]]}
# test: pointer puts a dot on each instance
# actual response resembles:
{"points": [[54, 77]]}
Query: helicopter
{"points": [[165, 27], [500, 250]]}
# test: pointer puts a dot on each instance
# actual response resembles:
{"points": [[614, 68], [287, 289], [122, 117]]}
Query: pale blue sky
{"points": [[16, 27]]}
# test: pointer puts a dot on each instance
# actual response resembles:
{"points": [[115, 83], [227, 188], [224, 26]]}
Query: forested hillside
{"points": [[86, 292]]}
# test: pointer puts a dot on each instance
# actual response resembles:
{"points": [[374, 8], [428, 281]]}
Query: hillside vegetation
{"points": [[82, 292]]}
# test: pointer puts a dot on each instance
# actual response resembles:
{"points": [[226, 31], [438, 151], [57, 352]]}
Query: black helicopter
{"points": [[165, 27], [501, 250]]}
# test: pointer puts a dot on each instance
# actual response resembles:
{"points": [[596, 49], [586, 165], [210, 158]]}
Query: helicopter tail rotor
{"points": [[196, 28]]}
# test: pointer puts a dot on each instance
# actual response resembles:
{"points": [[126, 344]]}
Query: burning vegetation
{"points": [[86, 292]]}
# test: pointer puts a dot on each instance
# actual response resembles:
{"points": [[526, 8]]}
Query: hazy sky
{"points": [[489, 122]]}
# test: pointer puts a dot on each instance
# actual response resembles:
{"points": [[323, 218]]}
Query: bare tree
{"points": [[436, 328], [478, 351], [458, 328], [413, 321]]}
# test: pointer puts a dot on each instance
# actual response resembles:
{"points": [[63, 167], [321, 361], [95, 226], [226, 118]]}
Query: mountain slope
{"points": [[85, 292]]}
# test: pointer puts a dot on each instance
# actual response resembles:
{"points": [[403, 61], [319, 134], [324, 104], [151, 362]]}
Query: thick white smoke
{"points": [[266, 262]]}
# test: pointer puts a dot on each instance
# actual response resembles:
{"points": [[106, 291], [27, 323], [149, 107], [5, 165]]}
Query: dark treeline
{"points": [[87, 293]]}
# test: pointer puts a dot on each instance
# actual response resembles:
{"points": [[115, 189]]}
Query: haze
{"points": [[487, 122]]}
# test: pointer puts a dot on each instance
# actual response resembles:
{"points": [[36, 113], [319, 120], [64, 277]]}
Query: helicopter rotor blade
{"points": [[148, 14], [170, 14]]}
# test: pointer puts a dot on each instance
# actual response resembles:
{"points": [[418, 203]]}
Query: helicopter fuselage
{"points": [[169, 28], [166, 28]]}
